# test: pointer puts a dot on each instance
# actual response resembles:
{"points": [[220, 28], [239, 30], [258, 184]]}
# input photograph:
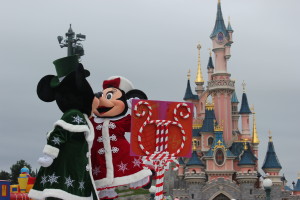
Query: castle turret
{"points": [[229, 29], [235, 112], [271, 165], [245, 113], [247, 175], [210, 66], [207, 129], [181, 167], [296, 190], [194, 174], [220, 86], [189, 96], [199, 78]]}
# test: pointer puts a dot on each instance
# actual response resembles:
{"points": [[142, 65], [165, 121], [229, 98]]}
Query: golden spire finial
{"points": [[219, 1], [194, 144], [189, 74], [244, 86], [199, 77], [255, 139], [218, 127], [228, 19], [270, 136], [209, 49], [245, 144]]}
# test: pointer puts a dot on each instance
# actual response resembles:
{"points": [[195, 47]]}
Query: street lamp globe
{"points": [[267, 183], [152, 189]]}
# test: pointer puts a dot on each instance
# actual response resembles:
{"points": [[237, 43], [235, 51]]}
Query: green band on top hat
{"points": [[65, 66]]}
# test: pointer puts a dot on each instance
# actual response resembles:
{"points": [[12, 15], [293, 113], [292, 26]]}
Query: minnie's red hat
{"points": [[118, 82]]}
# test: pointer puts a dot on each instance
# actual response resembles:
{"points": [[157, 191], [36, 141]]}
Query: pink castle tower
{"points": [[221, 86]]}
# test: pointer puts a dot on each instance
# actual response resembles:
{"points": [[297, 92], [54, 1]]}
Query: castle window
{"points": [[220, 36], [219, 157], [192, 196], [250, 191], [210, 141]]}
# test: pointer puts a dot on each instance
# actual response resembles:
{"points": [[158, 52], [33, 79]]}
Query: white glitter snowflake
{"points": [[44, 180], [122, 167], [77, 119], [96, 171], [53, 178], [69, 182], [81, 185], [136, 162], [56, 140]]}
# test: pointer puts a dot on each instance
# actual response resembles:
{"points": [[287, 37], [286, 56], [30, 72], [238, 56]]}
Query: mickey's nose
{"points": [[98, 94]]}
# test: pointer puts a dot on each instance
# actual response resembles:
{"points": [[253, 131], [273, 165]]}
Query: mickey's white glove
{"points": [[45, 161]]}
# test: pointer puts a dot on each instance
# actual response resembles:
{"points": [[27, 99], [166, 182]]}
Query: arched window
{"points": [[219, 157], [220, 36], [210, 141]]}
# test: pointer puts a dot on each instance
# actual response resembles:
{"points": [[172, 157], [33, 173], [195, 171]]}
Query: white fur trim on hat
{"points": [[125, 84]]}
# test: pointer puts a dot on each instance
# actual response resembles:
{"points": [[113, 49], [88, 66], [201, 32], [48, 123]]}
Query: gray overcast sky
{"points": [[153, 43]]}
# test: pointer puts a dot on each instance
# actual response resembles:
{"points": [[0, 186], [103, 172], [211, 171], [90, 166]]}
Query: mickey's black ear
{"points": [[136, 93], [44, 91]]}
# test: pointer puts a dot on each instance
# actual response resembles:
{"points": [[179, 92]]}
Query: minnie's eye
{"points": [[109, 95]]}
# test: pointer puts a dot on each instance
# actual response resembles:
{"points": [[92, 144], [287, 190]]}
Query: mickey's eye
{"points": [[109, 95]]}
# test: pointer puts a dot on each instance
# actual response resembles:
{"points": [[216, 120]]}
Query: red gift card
{"points": [[158, 126]]}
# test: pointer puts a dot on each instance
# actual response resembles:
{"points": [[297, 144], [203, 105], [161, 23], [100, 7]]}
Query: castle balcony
{"points": [[246, 177], [194, 178], [221, 85]]}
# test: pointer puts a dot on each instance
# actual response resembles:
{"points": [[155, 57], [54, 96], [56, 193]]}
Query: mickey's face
{"points": [[112, 103]]}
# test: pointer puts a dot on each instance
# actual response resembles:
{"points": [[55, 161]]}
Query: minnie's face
{"points": [[111, 103]]}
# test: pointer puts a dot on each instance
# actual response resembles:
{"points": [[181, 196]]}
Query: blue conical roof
{"points": [[180, 161], [245, 107], [194, 160], [219, 25], [189, 94], [234, 98], [297, 187], [210, 63], [247, 158], [196, 132], [271, 160], [229, 28], [208, 122]]}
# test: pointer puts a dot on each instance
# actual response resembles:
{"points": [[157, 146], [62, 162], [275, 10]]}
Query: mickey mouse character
{"points": [[112, 164], [65, 171]]}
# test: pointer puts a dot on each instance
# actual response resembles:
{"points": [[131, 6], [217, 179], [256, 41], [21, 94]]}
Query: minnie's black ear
{"points": [[44, 91], [136, 93]]}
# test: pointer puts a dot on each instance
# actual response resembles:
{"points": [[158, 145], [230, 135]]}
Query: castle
{"points": [[224, 161]]}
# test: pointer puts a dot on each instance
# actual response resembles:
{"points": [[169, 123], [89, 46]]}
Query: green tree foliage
{"points": [[4, 175], [16, 169]]}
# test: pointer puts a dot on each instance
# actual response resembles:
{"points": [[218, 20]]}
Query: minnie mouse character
{"points": [[112, 164], [65, 171]]}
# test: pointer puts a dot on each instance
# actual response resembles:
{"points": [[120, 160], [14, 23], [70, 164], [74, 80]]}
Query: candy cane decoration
{"points": [[161, 158]]}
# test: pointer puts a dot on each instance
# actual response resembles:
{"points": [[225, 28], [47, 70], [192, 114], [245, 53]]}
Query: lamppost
{"points": [[267, 183], [152, 192], [74, 47]]}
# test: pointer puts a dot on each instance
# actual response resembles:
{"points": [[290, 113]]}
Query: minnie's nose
{"points": [[98, 94]]}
